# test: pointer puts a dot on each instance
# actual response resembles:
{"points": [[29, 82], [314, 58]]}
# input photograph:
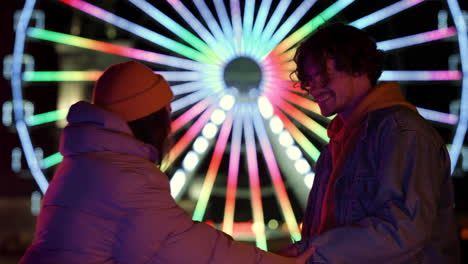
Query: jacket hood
{"points": [[93, 129]]}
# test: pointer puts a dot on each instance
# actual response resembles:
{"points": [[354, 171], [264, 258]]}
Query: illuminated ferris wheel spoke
{"points": [[249, 8], [174, 27], [301, 101], [384, 13], [445, 118], [421, 76], [237, 26], [317, 130], [214, 26], [221, 51], [191, 113], [105, 47], [47, 117], [188, 137], [257, 29], [233, 172], [192, 98], [298, 136], [61, 76], [416, 39], [255, 189], [288, 25], [188, 87], [272, 24], [51, 160], [140, 31], [309, 27], [212, 172], [275, 174], [225, 23], [460, 133]]}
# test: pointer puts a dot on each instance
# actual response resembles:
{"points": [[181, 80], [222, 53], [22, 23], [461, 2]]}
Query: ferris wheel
{"points": [[243, 133]]}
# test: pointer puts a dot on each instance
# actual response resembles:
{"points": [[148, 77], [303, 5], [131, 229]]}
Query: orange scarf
{"points": [[343, 135]]}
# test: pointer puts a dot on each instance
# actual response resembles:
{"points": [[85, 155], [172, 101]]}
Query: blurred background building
{"points": [[229, 63]]}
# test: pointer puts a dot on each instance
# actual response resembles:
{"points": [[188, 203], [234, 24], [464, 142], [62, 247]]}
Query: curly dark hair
{"points": [[353, 50]]}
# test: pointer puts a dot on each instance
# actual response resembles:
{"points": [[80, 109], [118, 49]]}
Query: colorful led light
{"points": [[174, 27], [217, 49], [437, 116], [417, 39], [184, 141], [384, 13], [115, 49], [225, 24], [212, 172], [277, 180], [214, 27], [421, 76], [310, 26], [291, 22], [233, 173], [255, 189], [47, 117], [52, 160], [139, 30]]}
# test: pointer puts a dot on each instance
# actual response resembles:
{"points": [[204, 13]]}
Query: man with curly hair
{"points": [[382, 191]]}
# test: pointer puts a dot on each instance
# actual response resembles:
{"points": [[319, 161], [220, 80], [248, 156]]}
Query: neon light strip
{"points": [[298, 136], [417, 39], [384, 13], [52, 160], [190, 114], [310, 26], [260, 20], [212, 172], [174, 27], [225, 23], [190, 99], [21, 128], [276, 177], [255, 190], [436, 116], [188, 87], [303, 102], [460, 133], [305, 120], [233, 173], [291, 22], [213, 25], [188, 137], [115, 49], [421, 76], [199, 28], [138, 30], [272, 24], [61, 76], [237, 25], [249, 7], [47, 117]]}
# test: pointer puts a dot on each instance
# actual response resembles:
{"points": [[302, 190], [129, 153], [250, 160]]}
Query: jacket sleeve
{"points": [[410, 170], [157, 230]]}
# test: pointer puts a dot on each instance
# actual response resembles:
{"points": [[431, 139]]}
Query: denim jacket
{"points": [[393, 198]]}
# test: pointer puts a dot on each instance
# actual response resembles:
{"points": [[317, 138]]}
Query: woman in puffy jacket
{"points": [[108, 202]]}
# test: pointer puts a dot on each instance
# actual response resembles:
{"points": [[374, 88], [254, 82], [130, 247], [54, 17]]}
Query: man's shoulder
{"points": [[402, 119]]}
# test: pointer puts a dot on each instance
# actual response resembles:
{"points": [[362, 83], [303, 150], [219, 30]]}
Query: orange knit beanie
{"points": [[131, 90]]}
